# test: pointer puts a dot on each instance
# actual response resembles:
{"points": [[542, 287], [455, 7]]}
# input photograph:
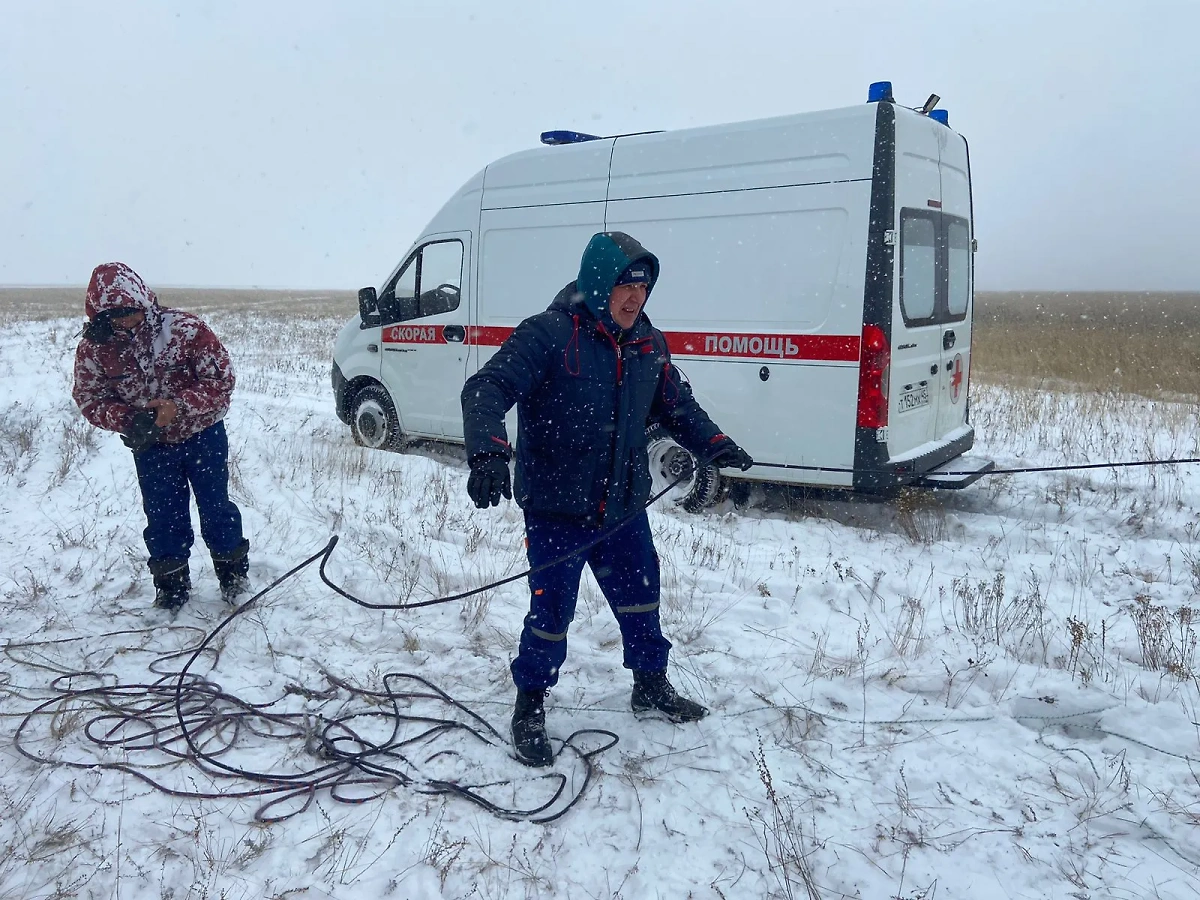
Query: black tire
{"points": [[373, 420], [699, 489], [738, 492]]}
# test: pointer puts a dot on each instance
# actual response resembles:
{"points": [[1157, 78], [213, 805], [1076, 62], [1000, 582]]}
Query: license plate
{"points": [[914, 399]]}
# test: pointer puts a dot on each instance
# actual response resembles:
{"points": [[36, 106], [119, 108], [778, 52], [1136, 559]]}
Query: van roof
{"points": [[802, 148]]}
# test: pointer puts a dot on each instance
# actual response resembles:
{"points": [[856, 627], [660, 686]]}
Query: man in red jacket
{"points": [[162, 380]]}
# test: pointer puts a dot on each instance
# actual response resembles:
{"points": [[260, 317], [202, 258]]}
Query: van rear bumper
{"points": [[913, 471], [956, 473], [874, 475]]}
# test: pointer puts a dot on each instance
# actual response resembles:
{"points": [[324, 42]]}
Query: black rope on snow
{"points": [[602, 536]]}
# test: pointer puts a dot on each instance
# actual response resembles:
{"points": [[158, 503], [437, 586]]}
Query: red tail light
{"points": [[873, 373]]}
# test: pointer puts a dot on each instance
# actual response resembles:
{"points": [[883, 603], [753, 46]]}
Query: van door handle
{"points": [[933, 369], [372, 348], [947, 340], [455, 333]]}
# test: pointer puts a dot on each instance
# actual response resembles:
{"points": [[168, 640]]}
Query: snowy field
{"points": [[989, 695]]}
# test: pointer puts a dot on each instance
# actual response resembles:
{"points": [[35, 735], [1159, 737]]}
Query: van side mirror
{"points": [[368, 304]]}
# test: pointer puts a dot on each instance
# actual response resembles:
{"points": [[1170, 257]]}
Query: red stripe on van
{"points": [[413, 334], [488, 335], [809, 347], [815, 347], [435, 334]]}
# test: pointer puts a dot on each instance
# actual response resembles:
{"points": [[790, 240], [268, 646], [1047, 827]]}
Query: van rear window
{"points": [[958, 266], [935, 267], [918, 266]]}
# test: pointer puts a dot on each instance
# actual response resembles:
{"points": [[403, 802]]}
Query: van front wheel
{"points": [[374, 423], [699, 487]]}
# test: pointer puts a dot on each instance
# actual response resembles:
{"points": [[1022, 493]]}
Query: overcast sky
{"points": [[306, 144]]}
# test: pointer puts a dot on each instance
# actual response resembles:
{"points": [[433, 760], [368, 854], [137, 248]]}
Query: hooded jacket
{"points": [[585, 394], [172, 355]]}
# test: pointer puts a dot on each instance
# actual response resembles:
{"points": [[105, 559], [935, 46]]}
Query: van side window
{"points": [[429, 284], [918, 265], [439, 280], [935, 267]]}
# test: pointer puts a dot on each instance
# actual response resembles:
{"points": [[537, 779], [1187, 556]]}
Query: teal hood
{"points": [[607, 255]]}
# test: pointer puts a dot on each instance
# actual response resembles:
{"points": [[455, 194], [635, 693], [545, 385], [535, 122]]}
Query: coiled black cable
{"points": [[191, 718]]}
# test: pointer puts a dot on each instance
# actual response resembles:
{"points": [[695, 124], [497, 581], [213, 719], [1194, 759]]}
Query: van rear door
{"points": [[957, 237], [916, 338]]}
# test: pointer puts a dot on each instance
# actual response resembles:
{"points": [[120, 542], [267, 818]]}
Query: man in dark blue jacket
{"points": [[588, 376]]}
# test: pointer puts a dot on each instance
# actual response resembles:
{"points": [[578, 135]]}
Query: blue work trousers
{"points": [[626, 568], [164, 472]]}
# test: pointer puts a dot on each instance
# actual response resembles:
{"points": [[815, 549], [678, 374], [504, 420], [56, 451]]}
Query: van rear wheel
{"points": [[374, 423], [698, 487]]}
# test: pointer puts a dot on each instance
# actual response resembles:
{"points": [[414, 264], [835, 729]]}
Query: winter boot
{"points": [[529, 729], [651, 690], [172, 582], [231, 569]]}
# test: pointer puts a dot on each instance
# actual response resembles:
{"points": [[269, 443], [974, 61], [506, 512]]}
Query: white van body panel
{"points": [[526, 257], [354, 356], [527, 254], [461, 213], [574, 173], [810, 148], [766, 232], [788, 263]]}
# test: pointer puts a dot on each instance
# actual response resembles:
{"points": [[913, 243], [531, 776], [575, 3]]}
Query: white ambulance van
{"points": [[816, 290]]}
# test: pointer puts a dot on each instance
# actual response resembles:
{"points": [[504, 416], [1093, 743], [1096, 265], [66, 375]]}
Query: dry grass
{"points": [[1131, 343]]}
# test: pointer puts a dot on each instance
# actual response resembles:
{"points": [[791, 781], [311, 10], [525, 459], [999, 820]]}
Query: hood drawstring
{"points": [[573, 342]]}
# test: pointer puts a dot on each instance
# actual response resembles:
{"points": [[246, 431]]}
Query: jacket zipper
{"points": [[612, 446], [617, 350]]}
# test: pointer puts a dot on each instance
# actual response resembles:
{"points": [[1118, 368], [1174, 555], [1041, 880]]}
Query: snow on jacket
{"points": [[585, 394], [172, 355]]}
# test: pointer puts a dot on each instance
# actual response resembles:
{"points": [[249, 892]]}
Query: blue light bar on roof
{"points": [[940, 115], [880, 90], [567, 137]]}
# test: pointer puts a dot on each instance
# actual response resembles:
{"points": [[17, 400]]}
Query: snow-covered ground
{"points": [[985, 694]]}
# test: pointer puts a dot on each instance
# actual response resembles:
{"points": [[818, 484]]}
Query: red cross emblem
{"points": [[956, 379]]}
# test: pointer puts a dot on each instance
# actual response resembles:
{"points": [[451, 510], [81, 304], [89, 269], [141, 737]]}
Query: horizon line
{"points": [[263, 287]]}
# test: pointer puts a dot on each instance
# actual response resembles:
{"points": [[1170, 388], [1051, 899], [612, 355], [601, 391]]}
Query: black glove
{"points": [[489, 479], [732, 456], [142, 431], [99, 330]]}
